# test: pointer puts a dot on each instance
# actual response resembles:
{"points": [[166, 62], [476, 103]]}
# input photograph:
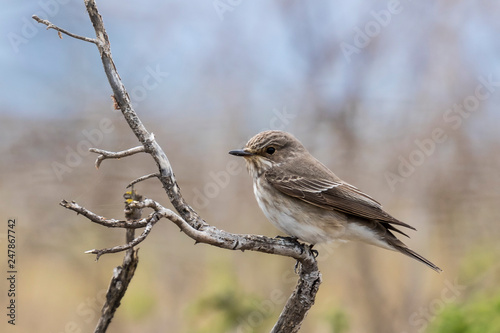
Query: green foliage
{"points": [[478, 310], [479, 316]]}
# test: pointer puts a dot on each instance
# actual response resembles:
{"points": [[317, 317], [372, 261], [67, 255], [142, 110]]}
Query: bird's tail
{"points": [[410, 253]]}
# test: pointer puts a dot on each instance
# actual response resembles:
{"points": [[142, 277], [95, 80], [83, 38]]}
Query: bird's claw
{"points": [[315, 253]]}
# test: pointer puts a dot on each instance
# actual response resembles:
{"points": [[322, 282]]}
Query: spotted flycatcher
{"points": [[306, 200]]}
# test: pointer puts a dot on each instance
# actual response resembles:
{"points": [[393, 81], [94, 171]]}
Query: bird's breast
{"points": [[295, 217]]}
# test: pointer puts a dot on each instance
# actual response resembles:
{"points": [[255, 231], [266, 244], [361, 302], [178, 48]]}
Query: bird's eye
{"points": [[270, 150]]}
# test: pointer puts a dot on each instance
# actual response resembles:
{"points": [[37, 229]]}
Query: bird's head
{"points": [[268, 149]]}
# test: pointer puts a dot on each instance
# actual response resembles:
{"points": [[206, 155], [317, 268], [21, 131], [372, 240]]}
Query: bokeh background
{"points": [[399, 98]]}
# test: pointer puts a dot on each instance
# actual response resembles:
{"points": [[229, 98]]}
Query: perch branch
{"points": [[209, 234], [302, 297], [301, 300]]}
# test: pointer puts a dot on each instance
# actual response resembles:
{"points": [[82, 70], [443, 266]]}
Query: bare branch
{"points": [[110, 223], [299, 302], [124, 247], [104, 154], [208, 234], [145, 138], [140, 179], [122, 275], [59, 30], [188, 219], [290, 319]]}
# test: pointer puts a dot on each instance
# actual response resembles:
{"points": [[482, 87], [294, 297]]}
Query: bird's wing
{"points": [[330, 193]]}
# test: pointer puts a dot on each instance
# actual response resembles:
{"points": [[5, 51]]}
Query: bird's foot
{"points": [[315, 253]]}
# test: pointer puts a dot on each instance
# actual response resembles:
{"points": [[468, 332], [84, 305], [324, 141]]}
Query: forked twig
{"points": [[104, 154], [61, 30]]}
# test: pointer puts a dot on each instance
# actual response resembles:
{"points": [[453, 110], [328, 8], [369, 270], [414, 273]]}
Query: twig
{"points": [[110, 223], [55, 27], [130, 244], [104, 154], [140, 179]]}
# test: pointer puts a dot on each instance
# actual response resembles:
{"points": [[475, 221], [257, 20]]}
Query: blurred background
{"points": [[398, 98]]}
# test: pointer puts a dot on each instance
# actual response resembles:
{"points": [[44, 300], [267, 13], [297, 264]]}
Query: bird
{"points": [[307, 201]]}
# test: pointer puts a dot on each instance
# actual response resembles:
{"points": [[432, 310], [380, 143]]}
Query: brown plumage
{"points": [[303, 198]]}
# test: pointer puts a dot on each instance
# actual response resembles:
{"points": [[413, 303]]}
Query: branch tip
{"points": [[104, 154], [140, 179], [50, 25]]}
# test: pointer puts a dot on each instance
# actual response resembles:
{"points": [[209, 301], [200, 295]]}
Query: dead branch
{"points": [[188, 219], [209, 234], [130, 244], [122, 275], [60, 30], [140, 179], [110, 223], [104, 154]]}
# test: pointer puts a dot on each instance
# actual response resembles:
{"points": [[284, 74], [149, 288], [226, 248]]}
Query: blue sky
{"points": [[263, 54]]}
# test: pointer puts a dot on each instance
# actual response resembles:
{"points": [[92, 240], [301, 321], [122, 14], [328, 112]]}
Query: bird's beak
{"points": [[240, 152]]}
